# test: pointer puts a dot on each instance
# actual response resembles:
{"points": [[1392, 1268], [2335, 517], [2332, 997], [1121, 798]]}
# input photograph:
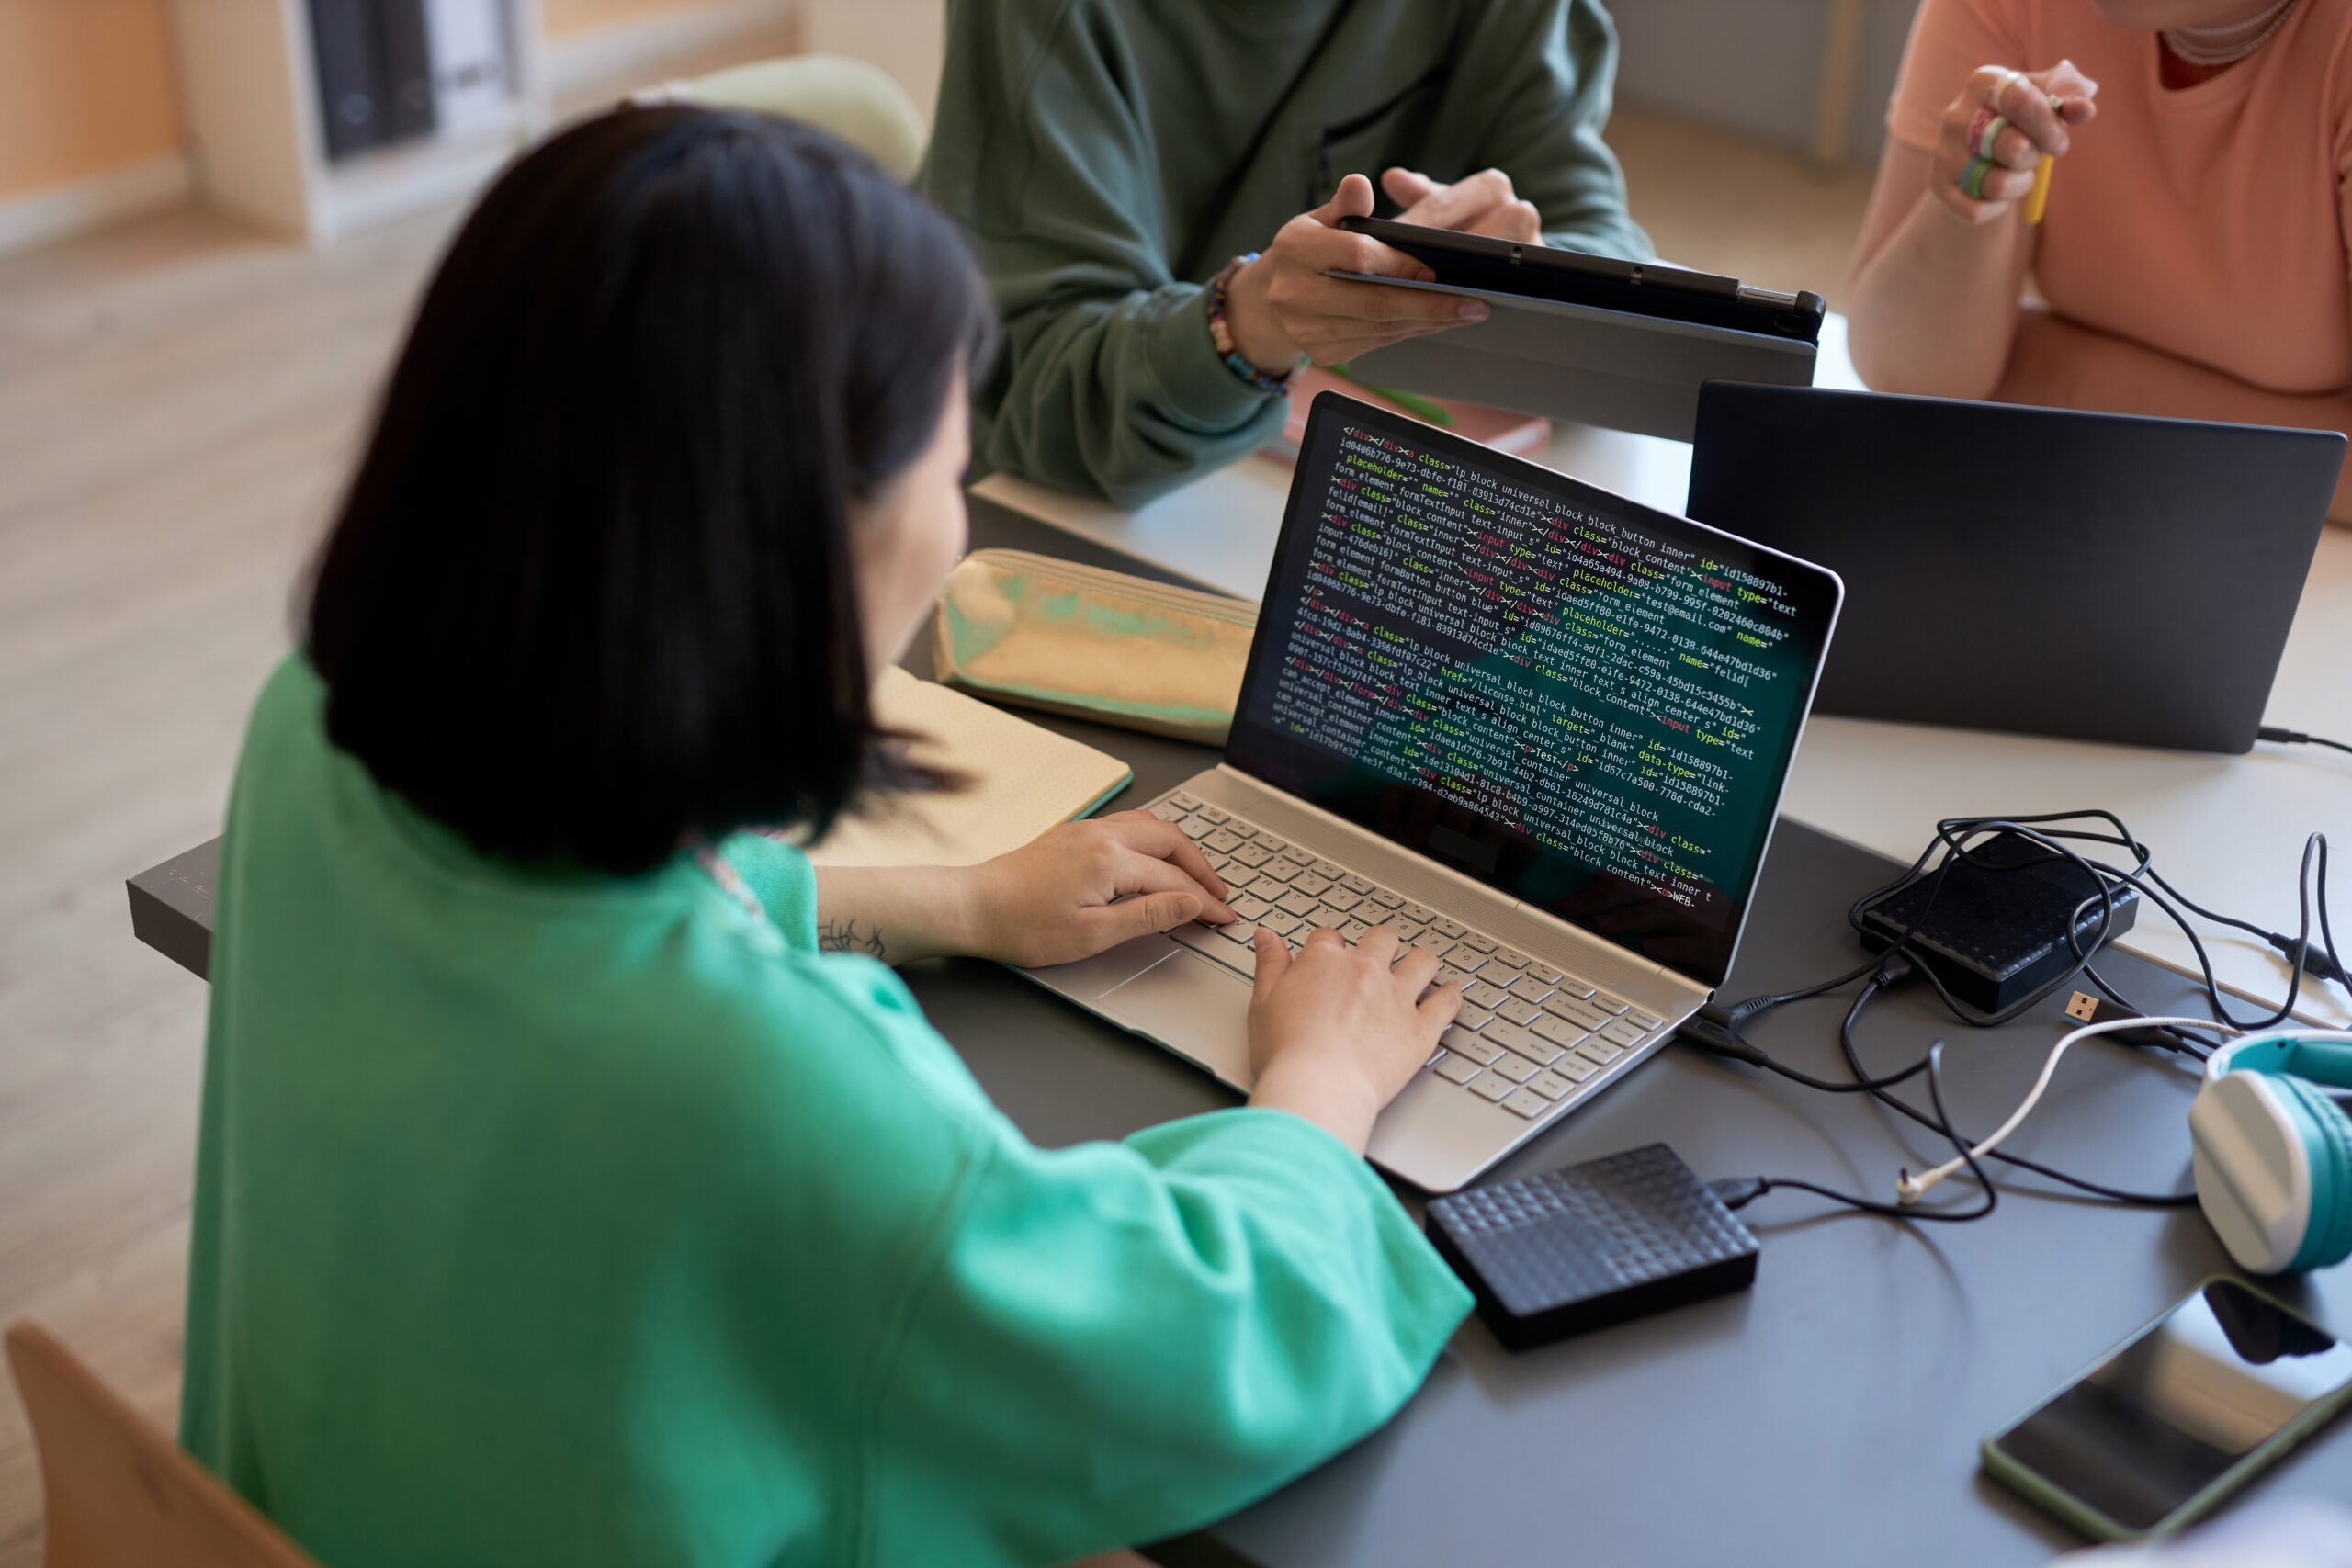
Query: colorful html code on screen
{"points": [[1592, 710]]}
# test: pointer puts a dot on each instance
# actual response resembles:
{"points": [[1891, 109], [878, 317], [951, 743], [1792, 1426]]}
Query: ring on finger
{"points": [[1972, 178], [1983, 145], [2009, 74]]}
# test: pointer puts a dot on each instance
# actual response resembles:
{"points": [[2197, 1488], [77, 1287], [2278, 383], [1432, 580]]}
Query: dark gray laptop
{"points": [[1539, 728], [2105, 577]]}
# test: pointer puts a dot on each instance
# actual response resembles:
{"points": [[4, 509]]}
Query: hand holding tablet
{"points": [[1621, 344], [1288, 305]]}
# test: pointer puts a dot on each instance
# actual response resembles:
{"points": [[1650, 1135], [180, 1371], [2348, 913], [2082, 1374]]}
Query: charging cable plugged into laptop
{"points": [[2296, 738]]}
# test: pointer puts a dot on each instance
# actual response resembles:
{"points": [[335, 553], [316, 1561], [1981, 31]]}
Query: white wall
{"points": [[1754, 66], [906, 37]]}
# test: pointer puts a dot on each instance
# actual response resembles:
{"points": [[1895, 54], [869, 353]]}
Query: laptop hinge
{"points": [[1471, 885]]}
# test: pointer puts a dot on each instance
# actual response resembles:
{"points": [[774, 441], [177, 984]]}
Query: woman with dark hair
{"points": [[558, 1200]]}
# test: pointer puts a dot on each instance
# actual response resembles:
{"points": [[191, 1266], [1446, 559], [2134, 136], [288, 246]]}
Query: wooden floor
{"points": [[178, 402]]}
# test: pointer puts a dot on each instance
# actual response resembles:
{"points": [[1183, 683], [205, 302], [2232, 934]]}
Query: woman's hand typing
{"points": [[1070, 894], [1088, 885], [1334, 1032]]}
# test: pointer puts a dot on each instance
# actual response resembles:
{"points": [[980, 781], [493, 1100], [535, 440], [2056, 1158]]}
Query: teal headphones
{"points": [[2274, 1149]]}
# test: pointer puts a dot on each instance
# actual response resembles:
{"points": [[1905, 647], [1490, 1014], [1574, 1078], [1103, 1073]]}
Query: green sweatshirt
{"points": [[1106, 157], [583, 1221]]}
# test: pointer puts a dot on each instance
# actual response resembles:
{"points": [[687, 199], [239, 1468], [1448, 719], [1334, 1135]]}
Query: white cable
{"points": [[1910, 1188]]}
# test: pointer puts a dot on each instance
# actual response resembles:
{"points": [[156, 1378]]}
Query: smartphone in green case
{"points": [[2184, 1412]]}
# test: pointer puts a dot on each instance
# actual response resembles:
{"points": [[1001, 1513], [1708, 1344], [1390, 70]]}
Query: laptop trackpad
{"points": [[1089, 979], [1194, 1007]]}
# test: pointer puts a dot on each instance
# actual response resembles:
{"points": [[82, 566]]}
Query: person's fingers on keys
{"points": [[1415, 968], [1104, 926], [1324, 951], [1440, 1007], [1135, 874], [1147, 834], [1274, 962], [1379, 945], [1074, 892]]}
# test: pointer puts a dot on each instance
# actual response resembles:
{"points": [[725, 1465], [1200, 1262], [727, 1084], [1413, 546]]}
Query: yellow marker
{"points": [[2038, 197]]}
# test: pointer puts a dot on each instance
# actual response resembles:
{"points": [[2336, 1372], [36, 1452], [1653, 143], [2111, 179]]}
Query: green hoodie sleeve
{"points": [[1056, 121], [1119, 1342], [1547, 134], [1108, 382]]}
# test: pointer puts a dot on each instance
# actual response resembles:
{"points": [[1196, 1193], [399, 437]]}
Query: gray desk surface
{"points": [[1830, 1414]]}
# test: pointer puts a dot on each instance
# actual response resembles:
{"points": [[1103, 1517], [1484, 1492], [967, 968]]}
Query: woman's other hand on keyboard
{"points": [[1334, 1032], [1086, 886]]}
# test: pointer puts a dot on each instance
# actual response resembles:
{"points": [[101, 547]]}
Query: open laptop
{"points": [[2101, 576], [1536, 726]]}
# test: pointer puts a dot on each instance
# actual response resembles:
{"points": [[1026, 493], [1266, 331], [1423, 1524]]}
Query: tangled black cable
{"points": [[1716, 1029], [1737, 1193]]}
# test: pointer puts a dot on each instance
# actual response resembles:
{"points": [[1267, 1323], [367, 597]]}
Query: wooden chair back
{"points": [[120, 1493]]}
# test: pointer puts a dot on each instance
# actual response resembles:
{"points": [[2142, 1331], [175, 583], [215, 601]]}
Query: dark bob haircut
{"points": [[590, 595]]}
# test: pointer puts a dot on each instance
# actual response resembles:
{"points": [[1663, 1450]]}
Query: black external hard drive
{"points": [[1556, 1254]]}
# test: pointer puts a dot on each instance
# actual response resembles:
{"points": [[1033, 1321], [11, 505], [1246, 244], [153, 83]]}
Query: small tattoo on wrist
{"points": [[843, 936]]}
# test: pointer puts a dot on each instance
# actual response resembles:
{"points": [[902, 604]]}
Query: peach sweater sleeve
{"points": [[1949, 39], [2339, 104]]}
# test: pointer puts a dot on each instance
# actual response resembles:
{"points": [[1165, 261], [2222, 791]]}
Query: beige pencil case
{"points": [[1101, 645]]}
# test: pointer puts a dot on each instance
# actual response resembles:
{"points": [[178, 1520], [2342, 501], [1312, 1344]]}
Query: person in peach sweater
{"points": [[2191, 260]]}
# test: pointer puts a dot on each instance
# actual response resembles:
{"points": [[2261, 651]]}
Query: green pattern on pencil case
{"points": [[1412, 403]]}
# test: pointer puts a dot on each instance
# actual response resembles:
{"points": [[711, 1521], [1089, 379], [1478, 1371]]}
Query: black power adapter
{"points": [[1992, 922]]}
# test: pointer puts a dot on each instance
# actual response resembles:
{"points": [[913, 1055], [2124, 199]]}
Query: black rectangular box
{"points": [[1992, 924], [1568, 1250]]}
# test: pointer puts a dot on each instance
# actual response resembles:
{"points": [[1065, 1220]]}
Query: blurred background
{"points": [[214, 216]]}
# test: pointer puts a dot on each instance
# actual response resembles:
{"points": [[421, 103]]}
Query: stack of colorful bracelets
{"points": [[1221, 332]]}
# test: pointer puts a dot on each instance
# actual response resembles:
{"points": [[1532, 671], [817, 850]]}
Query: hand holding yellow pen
{"points": [[2038, 197]]}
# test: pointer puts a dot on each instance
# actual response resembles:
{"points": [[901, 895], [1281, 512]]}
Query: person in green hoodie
{"points": [[574, 1186], [1154, 189]]}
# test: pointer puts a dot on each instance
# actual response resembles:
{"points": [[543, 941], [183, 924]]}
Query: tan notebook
{"points": [[1024, 777]]}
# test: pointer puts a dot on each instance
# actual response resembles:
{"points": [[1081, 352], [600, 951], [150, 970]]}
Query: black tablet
{"points": [[1577, 277]]}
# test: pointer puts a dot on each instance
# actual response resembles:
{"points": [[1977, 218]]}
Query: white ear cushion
{"points": [[2254, 1178]]}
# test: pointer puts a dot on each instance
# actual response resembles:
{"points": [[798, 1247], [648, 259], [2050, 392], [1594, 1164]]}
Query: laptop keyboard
{"points": [[1530, 1038]]}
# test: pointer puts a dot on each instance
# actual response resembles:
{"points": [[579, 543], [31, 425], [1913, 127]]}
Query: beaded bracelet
{"points": [[1221, 332]]}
